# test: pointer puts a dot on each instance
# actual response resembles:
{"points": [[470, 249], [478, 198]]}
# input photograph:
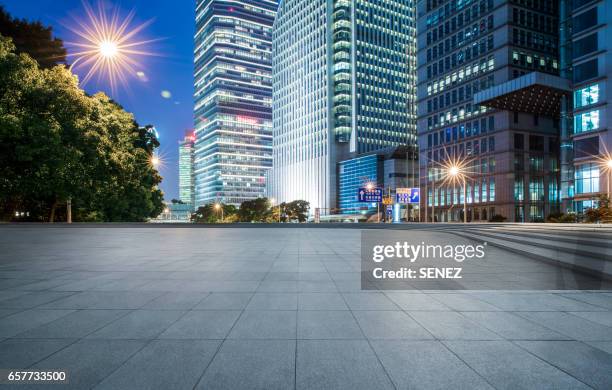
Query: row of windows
{"points": [[476, 193], [454, 8], [461, 38], [450, 62], [462, 131]]}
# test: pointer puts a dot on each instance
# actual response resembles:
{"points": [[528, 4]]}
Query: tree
{"points": [[58, 143], [296, 210], [256, 210], [210, 214], [34, 39], [600, 214]]}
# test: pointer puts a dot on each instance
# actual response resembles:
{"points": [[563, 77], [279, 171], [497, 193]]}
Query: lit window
{"points": [[586, 96], [586, 121], [587, 178]]}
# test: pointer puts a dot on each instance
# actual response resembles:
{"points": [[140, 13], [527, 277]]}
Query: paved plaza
{"points": [[276, 308]]}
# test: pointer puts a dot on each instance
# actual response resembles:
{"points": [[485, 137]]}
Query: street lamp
{"points": [[609, 168], [455, 172], [219, 207]]}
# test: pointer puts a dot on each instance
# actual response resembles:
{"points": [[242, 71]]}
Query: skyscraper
{"points": [[589, 55], [489, 95], [186, 182], [233, 94], [344, 84]]}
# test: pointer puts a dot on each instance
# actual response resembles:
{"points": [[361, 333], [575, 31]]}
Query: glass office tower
{"points": [[233, 96], [344, 83], [489, 96], [590, 56], [186, 184]]}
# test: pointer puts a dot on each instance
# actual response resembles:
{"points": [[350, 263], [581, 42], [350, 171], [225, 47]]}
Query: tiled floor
{"points": [[229, 308]]}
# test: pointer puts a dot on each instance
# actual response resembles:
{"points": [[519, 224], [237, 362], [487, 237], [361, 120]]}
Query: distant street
{"points": [[166, 307]]}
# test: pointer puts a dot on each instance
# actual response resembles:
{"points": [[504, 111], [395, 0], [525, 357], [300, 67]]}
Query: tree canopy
{"points": [[34, 39], [58, 143]]}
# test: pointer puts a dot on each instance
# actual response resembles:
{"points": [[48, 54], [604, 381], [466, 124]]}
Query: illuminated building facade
{"points": [[344, 83], [488, 95], [233, 95], [589, 56], [186, 182]]}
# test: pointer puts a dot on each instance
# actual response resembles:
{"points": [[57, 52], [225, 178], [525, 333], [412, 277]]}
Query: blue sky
{"points": [[172, 70]]}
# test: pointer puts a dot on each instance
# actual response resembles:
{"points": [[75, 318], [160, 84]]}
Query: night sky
{"points": [[172, 70]]}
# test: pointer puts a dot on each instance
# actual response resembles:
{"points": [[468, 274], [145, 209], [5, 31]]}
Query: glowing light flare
{"points": [[107, 45]]}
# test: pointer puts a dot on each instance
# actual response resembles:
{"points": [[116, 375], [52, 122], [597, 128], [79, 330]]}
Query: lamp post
{"points": [[609, 167], [219, 207], [454, 171]]}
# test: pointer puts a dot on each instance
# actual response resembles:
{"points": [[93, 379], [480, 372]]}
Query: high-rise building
{"points": [[589, 57], [186, 182], [489, 97], [343, 84], [233, 95]]}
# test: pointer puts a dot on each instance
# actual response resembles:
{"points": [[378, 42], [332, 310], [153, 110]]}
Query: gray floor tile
{"points": [[33, 300], [569, 325], [224, 301], [369, 301], [339, 364], [164, 364], [204, 324], [321, 301], [139, 324], [273, 301], [77, 324], [16, 353], [513, 327], [512, 301], [450, 325], [327, 325], [605, 346], [270, 324], [600, 300], [252, 364], [599, 317], [426, 365], [585, 363], [415, 301], [90, 361], [509, 367], [390, 325], [105, 300], [463, 302], [28, 319], [176, 301]]}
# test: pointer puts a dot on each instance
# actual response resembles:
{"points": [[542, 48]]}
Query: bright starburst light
{"points": [[108, 45]]}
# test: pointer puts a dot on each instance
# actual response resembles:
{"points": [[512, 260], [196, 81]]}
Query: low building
{"points": [[175, 213], [389, 169]]}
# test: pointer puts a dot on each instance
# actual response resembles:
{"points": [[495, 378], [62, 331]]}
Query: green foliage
{"points": [[294, 211], [600, 214], [562, 218], [57, 143], [256, 210], [210, 213], [497, 218], [34, 39]]}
